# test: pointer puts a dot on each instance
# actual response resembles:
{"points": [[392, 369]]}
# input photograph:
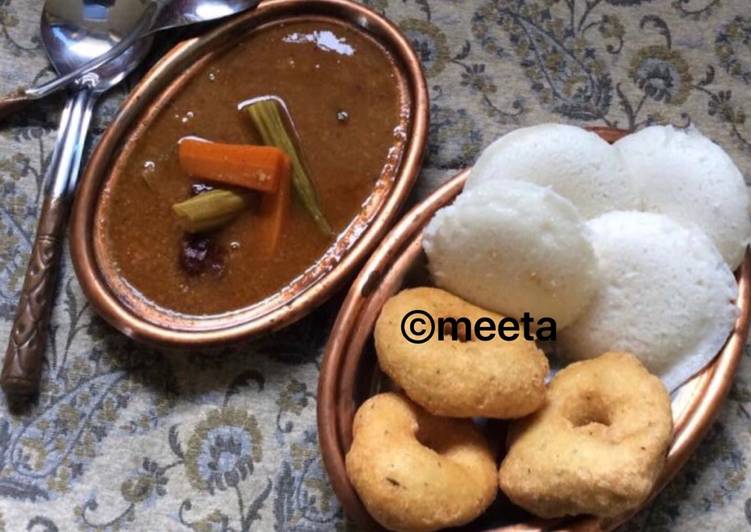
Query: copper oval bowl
{"points": [[350, 373], [110, 295]]}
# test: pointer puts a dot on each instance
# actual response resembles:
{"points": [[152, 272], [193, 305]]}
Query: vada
{"points": [[495, 378], [596, 447], [415, 471]]}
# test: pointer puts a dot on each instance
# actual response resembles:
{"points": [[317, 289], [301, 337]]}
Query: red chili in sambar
{"points": [[341, 90]]}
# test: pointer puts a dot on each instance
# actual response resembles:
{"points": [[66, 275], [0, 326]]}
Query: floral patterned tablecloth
{"points": [[124, 437]]}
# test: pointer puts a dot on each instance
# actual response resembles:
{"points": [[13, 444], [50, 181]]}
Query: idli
{"points": [[685, 175], [576, 163], [666, 295], [514, 249]]}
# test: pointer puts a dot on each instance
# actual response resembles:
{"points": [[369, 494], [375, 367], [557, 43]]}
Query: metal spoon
{"points": [[67, 49], [87, 30], [144, 18]]}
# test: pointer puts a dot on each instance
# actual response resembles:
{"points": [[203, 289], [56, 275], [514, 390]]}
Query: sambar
{"points": [[341, 88]]}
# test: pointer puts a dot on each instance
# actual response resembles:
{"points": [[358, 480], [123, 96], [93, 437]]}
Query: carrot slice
{"points": [[274, 211], [254, 167]]}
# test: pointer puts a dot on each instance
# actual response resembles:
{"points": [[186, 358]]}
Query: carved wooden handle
{"points": [[23, 359], [11, 103]]}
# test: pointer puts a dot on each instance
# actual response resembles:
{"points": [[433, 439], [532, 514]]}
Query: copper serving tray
{"points": [[112, 298], [350, 374]]}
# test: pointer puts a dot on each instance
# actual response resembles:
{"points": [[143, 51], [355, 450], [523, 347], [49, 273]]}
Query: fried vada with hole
{"points": [[416, 471], [596, 447], [495, 378]]}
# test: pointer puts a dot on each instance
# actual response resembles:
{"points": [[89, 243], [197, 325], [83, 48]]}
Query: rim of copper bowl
{"points": [[85, 263], [335, 394]]}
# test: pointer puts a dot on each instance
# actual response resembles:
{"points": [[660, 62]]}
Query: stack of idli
{"points": [[576, 163], [666, 295], [628, 247], [514, 249], [683, 174]]}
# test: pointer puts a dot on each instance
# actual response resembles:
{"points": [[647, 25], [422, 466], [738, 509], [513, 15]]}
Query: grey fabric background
{"points": [[124, 437]]}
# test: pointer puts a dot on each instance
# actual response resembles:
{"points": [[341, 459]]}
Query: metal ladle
{"points": [[68, 47]]}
